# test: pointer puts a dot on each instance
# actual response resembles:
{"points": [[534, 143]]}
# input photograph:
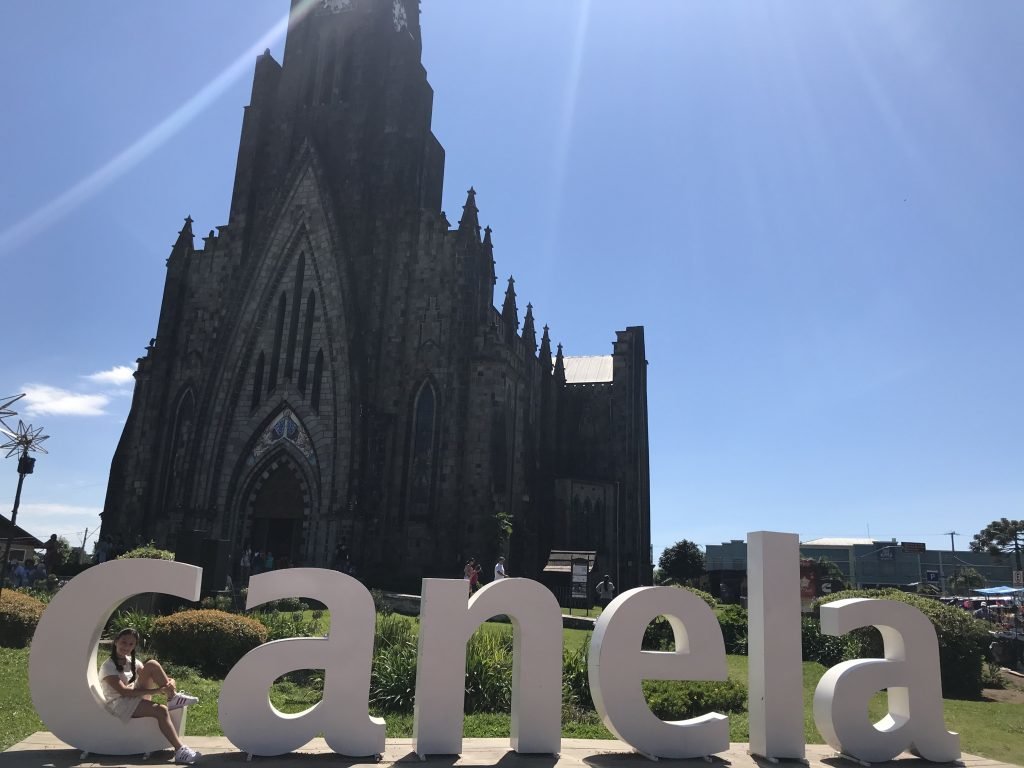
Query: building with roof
{"points": [[329, 372], [23, 543], [864, 563]]}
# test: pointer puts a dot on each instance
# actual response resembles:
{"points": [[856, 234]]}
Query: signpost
{"points": [[580, 582]]}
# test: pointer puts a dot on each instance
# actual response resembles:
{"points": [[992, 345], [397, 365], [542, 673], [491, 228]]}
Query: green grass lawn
{"points": [[990, 729]]}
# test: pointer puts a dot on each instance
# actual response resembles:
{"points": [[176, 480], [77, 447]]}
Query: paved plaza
{"points": [[43, 750]]}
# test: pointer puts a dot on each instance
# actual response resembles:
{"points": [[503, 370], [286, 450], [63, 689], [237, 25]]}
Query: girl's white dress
{"points": [[120, 706]]}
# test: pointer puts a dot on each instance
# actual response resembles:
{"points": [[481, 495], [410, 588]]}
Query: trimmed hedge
{"points": [[19, 614], [679, 700], [147, 550], [211, 641], [963, 640]]}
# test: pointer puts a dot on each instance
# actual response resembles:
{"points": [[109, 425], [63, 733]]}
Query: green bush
{"points": [[679, 700], [658, 635], [393, 675], [284, 625], [212, 641], [489, 672], [963, 640], [147, 550], [394, 629], [217, 602], [575, 681], [19, 614], [827, 650], [138, 620], [733, 619]]}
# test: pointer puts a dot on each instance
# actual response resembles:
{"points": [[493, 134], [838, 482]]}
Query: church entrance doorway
{"points": [[278, 506]]}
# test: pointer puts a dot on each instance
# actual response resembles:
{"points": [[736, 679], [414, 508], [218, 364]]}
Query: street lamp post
{"points": [[22, 441]]}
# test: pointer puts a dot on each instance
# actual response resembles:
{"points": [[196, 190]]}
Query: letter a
{"points": [[248, 718], [915, 693]]}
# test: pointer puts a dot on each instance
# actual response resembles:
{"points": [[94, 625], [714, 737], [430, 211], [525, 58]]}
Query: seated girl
{"points": [[128, 686]]}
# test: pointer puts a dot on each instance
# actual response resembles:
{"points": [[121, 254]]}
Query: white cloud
{"points": [[119, 375], [44, 400], [68, 520]]}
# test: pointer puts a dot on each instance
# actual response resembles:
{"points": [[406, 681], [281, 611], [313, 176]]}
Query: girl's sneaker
{"points": [[179, 700], [186, 755]]}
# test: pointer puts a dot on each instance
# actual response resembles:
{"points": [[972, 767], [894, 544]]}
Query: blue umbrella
{"points": [[999, 590]]}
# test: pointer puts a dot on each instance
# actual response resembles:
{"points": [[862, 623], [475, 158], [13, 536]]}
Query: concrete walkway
{"points": [[43, 750]]}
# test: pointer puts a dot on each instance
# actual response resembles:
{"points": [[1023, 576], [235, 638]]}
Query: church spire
{"points": [[509, 311], [185, 243], [529, 334], [545, 351], [560, 366], [470, 222]]}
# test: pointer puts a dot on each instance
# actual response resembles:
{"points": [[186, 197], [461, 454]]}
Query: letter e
{"points": [[618, 666]]}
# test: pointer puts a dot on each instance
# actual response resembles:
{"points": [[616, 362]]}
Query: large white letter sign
{"points": [[446, 623], [776, 704], [915, 691], [618, 666], [248, 718], [62, 663]]}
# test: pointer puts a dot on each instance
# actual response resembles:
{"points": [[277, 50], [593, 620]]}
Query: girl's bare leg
{"points": [[153, 676], [147, 708]]}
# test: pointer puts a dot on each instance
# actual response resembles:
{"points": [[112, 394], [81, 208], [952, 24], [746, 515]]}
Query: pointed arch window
{"points": [[318, 374], [180, 447], [293, 330], [327, 78], [307, 340], [275, 355], [257, 382], [422, 465]]}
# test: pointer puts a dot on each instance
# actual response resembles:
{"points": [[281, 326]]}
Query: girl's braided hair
{"points": [[113, 649]]}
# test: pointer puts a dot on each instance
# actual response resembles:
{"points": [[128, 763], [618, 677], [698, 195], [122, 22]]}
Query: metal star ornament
{"points": [[23, 439], [5, 408]]}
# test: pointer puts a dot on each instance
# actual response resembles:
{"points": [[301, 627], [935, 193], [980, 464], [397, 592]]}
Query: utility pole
{"points": [[952, 546], [952, 543], [20, 441]]}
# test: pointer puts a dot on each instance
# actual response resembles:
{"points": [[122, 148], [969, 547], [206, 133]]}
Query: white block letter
{"points": [[776, 703], [248, 718], [617, 666], [446, 623], [912, 678], [62, 663]]}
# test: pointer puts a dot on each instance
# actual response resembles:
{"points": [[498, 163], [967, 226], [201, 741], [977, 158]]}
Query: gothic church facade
{"points": [[330, 369]]}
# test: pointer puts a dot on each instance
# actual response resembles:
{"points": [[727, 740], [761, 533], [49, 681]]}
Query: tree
{"points": [[1001, 537], [966, 579], [681, 562]]}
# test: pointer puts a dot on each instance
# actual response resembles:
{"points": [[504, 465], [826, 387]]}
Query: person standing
{"points": [[244, 566], [52, 553], [605, 591], [499, 569]]}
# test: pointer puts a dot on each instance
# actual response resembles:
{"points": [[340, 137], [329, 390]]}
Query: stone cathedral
{"points": [[329, 367]]}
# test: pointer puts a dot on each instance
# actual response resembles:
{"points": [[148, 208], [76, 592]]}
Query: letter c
{"points": [[62, 663]]}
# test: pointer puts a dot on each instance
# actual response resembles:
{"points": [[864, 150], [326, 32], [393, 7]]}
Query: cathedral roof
{"points": [[588, 369]]}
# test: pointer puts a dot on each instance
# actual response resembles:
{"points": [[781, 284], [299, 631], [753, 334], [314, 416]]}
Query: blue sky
{"points": [[815, 209]]}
